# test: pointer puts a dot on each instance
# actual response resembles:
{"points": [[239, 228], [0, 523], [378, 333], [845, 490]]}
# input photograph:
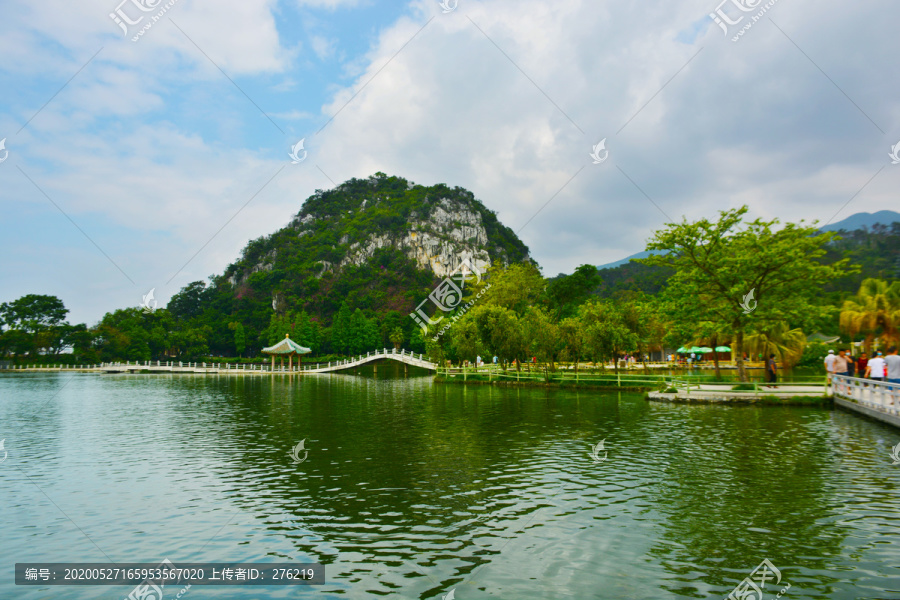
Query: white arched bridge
{"points": [[403, 356]]}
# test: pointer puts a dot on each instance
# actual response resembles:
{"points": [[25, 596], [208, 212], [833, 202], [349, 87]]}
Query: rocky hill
{"points": [[380, 244]]}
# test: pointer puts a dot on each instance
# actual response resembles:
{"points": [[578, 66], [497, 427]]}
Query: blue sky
{"points": [[152, 168]]}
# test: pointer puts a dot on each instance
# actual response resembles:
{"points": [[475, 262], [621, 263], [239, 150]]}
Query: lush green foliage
{"points": [[739, 276], [291, 283]]}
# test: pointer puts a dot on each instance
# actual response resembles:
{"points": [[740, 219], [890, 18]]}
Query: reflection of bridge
{"points": [[402, 356]]}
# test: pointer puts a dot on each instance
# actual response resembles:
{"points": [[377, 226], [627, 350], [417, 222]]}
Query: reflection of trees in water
{"points": [[404, 471], [741, 484]]}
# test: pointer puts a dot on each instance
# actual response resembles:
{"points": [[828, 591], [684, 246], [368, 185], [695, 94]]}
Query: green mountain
{"points": [[379, 244], [864, 219]]}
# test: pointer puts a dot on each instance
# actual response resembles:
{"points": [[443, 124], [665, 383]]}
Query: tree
{"points": [[606, 332], [515, 287], [778, 339], [361, 333], [34, 323], [572, 335], [33, 313], [499, 330], [875, 310], [465, 340], [188, 303], [566, 292], [742, 276], [396, 337], [340, 329], [541, 334], [240, 338]]}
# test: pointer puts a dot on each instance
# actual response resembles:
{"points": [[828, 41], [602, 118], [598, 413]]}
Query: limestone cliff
{"points": [[376, 239]]}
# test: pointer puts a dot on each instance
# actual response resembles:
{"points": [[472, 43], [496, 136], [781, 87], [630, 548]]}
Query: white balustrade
{"points": [[877, 395]]}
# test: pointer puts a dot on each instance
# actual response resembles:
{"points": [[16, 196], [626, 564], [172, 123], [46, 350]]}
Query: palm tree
{"points": [[787, 344], [875, 309]]}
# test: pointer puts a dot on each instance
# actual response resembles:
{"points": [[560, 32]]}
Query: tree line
{"points": [[754, 285]]}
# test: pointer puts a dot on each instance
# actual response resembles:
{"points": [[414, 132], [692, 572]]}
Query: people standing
{"points": [[892, 363], [851, 363], [875, 368], [861, 364], [772, 369], [829, 365], [840, 363]]}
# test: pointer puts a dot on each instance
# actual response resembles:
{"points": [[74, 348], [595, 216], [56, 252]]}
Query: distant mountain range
{"points": [[860, 220], [851, 223], [627, 259]]}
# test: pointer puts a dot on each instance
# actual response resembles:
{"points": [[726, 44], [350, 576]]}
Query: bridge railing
{"points": [[214, 366], [877, 395]]}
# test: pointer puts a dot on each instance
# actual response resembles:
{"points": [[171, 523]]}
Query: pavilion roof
{"points": [[285, 347], [821, 337]]}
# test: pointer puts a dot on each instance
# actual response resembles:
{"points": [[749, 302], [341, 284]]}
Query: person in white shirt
{"points": [[829, 364], [875, 368], [892, 365]]}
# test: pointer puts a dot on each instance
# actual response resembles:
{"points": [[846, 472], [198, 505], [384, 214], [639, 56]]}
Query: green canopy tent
{"points": [[704, 350], [723, 349], [289, 348]]}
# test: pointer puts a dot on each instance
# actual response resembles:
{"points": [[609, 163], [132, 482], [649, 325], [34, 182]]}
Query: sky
{"points": [[138, 158]]}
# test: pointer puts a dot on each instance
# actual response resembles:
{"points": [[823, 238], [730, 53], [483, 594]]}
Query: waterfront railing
{"points": [[876, 395]]}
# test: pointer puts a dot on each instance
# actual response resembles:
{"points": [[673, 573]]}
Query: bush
{"points": [[743, 387], [814, 354]]}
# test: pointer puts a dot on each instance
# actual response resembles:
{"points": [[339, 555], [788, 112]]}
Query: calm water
{"points": [[412, 489]]}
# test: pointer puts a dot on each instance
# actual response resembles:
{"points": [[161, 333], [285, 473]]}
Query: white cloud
{"points": [[329, 4], [753, 122], [734, 126]]}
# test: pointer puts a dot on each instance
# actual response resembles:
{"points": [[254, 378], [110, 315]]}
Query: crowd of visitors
{"points": [[880, 367]]}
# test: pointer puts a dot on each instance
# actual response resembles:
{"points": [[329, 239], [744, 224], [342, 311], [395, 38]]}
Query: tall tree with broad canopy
{"points": [[566, 292], [33, 313], [742, 276]]}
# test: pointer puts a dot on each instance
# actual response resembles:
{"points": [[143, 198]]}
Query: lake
{"points": [[413, 489]]}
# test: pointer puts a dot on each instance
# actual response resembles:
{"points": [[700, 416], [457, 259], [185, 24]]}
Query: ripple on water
{"points": [[411, 489]]}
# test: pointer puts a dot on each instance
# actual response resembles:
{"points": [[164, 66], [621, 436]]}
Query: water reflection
{"points": [[412, 489]]}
